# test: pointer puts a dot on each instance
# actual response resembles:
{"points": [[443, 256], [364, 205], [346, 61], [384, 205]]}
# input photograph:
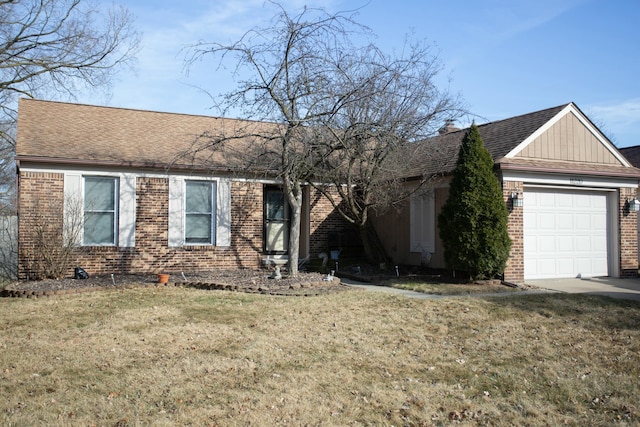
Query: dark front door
{"points": [[276, 221]]}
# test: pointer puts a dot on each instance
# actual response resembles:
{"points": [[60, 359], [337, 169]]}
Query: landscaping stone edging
{"points": [[302, 289]]}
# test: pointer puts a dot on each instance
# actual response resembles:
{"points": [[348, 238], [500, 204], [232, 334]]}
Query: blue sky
{"points": [[504, 57]]}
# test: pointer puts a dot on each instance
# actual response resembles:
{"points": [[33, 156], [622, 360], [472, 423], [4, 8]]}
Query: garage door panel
{"points": [[565, 233], [563, 221], [546, 243], [564, 266], [581, 221], [582, 244], [548, 200], [565, 244]]}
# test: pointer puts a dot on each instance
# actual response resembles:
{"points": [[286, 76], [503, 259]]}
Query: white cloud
{"points": [[624, 113], [620, 120]]}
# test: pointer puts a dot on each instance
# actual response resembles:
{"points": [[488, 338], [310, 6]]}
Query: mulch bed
{"points": [[249, 281]]}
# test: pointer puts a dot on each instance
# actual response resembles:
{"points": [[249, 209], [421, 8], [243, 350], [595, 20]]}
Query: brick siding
{"points": [[514, 270], [40, 193], [628, 235], [323, 219], [40, 207]]}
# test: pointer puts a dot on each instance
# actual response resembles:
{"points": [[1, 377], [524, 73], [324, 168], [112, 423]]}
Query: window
{"points": [[422, 223], [100, 211], [200, 209]]}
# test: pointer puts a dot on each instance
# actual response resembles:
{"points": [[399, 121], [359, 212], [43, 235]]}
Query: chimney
{"points": [[448, 127]]}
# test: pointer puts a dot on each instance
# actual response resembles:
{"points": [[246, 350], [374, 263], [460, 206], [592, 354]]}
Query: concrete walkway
{"points": [[422, 295], [604, 286]]}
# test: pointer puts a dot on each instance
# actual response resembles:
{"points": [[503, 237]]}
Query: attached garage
{"points": [[576, 189], [566, 233]]}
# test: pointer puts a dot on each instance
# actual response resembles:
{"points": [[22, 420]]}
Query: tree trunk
{"points": [[373, 247], [294, 196]]}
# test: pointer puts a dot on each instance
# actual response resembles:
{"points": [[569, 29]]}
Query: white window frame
{"points": [[74, 201], [177, 206], [114, 210], [213, 188]]}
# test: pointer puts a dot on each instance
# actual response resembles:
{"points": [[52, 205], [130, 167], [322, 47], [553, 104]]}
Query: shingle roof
{"points": [[632, 154], [499, 137], [83, 134], [75, 133]]}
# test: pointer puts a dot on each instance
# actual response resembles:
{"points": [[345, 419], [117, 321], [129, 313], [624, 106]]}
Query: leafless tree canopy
{"points": [[346, 110], [56, 48]]}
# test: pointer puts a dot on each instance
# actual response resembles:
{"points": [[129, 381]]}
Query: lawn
{"points": [[444, 288], [175, 356]]}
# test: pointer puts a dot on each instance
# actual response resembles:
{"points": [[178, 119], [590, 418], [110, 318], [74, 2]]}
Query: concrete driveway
{"points": [[607, 286]]}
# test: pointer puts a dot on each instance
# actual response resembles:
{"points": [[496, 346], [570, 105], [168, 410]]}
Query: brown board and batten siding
{"points": [[569, 140]]}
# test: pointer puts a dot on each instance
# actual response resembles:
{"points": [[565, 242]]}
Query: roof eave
{"points": [[148, 166], [630, 173]]}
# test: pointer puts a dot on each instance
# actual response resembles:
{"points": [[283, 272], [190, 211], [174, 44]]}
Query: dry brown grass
{"points": [[192, 357], [443, 288]]}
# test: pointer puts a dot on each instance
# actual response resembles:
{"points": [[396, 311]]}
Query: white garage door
{"points": [[565, 233]]}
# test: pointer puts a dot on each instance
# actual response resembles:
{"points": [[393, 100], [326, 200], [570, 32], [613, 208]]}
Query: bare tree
{"points": [[326, 96], [284, 71], [379, 138], [56, 48]]}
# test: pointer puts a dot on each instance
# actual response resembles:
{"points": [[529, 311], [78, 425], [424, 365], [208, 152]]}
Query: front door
{"points": [[276, 221]]}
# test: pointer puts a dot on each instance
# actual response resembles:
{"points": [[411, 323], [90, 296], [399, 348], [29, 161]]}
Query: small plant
{"points": [[56, 230]]}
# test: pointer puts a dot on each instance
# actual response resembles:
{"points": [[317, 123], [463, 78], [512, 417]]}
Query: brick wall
{"points": [[43, 192], [628, 235], [39, 211], [323, 219], [514, 270]]}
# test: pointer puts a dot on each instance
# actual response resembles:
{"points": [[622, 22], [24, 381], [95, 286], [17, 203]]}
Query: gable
{"points": [[571, 138]]}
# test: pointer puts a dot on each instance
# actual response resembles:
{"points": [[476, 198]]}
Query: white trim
{"points": [[568, 188], [116, 209], [176, 212], [570, 108], [573, 180], [214, 212], [176, 228], [223, 213], [146, 174], [73, 196], [127, 211], [612, 212]]}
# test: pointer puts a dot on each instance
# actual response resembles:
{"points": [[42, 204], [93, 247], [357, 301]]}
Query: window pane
{"points": [[100, 207], [200, 212], [99, 194], [275, 205], [198, 228], [98, 228], [198, 196]]}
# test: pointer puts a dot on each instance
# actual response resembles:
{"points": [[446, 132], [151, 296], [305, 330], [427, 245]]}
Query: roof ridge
{"points": [[558, 107], [138, 110]]}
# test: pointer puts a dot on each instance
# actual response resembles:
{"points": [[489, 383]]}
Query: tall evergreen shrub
{"points": [[473, 221]]}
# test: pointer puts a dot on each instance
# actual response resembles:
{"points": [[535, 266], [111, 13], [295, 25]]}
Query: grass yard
{"points": [[443, 288], [175, 356]]}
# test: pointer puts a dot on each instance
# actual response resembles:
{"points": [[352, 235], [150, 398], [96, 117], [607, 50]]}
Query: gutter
{"points": [[152, 166]]}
